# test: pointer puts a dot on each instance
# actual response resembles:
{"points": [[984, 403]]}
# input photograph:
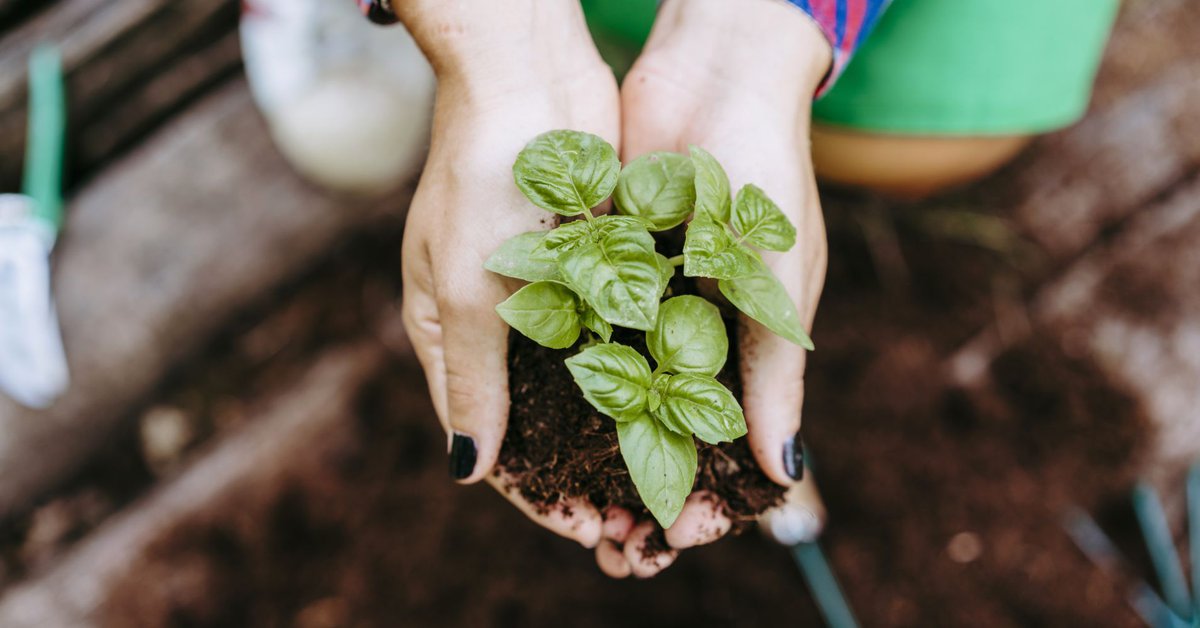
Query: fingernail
{"points": [[462, 456], [793, 458], [378, 11]]}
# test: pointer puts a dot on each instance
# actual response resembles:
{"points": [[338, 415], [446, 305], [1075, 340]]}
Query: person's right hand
{"points": [[737, 79], [507, 71]]}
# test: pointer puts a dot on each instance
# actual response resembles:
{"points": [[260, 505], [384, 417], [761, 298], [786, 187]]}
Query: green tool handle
{"points": [[47, 136], [824, 586]]}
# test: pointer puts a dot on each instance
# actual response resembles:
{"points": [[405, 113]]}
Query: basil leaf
{"points": [[561, 239], [607, 224], [665, 268], [658, 187], [618, 276], [700, 405], [598, 325], [689, 337], [577, 233], [760, 296], [760, 221], [709, 250], [546, 312], [515, 258], [613, 378], [661, 464], [712, 186], [567, 172]]}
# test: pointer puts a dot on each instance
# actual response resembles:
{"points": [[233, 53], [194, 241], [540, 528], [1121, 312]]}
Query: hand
{"points": [[738, 79], [507, 71]]}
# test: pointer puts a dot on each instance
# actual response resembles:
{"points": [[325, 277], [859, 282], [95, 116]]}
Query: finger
{"points": [[772, 370], [800, 518], [475, 355], [701, 521], [574, 519], [611, 560], [419, 312], [773, 393], [642, 563], [617, 524]]}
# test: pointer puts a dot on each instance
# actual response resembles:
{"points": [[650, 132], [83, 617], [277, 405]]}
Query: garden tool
{"points": [[33, 366]]}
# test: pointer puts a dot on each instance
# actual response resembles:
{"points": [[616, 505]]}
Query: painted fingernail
{"points": [[462, 456], [378, 11], [793, 458]]}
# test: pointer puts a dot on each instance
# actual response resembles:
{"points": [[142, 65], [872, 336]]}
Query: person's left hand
{"points": [[737, 79]]}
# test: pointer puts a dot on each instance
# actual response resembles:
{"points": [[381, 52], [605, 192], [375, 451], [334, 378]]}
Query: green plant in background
{"points": [[595, 272]]}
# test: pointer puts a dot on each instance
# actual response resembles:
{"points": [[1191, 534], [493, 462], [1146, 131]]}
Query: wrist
{"points": [[779, 49], [501, 45]]}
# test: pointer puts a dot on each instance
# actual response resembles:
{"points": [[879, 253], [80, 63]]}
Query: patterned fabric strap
{"points": [[846, 24]]}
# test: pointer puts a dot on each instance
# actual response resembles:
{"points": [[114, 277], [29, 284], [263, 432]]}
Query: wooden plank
{"points": [[157, 255], [128, 65], [302, 422]]}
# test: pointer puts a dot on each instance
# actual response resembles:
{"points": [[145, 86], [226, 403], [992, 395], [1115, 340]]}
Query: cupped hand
{"points": [[737, 79], [493, 97]]}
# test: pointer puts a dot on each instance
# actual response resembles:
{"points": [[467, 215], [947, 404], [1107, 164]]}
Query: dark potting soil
{"points": [[558, 447]]}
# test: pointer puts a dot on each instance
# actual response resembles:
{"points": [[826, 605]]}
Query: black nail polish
{"points": [[379, 11], [462, 456], [793, 458]]}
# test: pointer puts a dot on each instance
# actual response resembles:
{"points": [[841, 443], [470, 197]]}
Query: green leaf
{"points": [[515, 258], [567, 172], [760, 296], [709, 250], [700, 405], [689, 337], [598, 325], [666, 268], [760, 221], [562, 239], [546, 312], [661, 464], [577, 233], [712, 186], [658, 187], [614, 379], [618, 276]]}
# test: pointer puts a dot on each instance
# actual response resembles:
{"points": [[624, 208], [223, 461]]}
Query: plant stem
{"points": [[676, 261], [587, 215]]}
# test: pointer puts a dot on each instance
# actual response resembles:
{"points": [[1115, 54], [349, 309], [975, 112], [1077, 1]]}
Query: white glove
{"points": [[33, 366]]}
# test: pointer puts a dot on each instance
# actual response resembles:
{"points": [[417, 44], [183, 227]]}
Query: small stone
{"points": [[965, 547], [166, 432]]}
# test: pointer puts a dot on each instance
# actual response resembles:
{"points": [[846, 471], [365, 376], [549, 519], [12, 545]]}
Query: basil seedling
{"points": [[596, 272]]}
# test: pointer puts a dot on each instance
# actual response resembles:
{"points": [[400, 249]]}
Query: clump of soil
{"points": [[559, 447]]}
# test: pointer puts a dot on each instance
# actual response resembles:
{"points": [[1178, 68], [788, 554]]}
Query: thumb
{"points": [[475, 354], [773, 393]]}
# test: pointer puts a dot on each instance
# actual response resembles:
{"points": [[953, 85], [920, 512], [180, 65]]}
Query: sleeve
{"points": [[846, 24]]}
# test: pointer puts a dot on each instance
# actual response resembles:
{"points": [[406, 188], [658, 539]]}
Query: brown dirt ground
{"points": [[378, 536]]}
